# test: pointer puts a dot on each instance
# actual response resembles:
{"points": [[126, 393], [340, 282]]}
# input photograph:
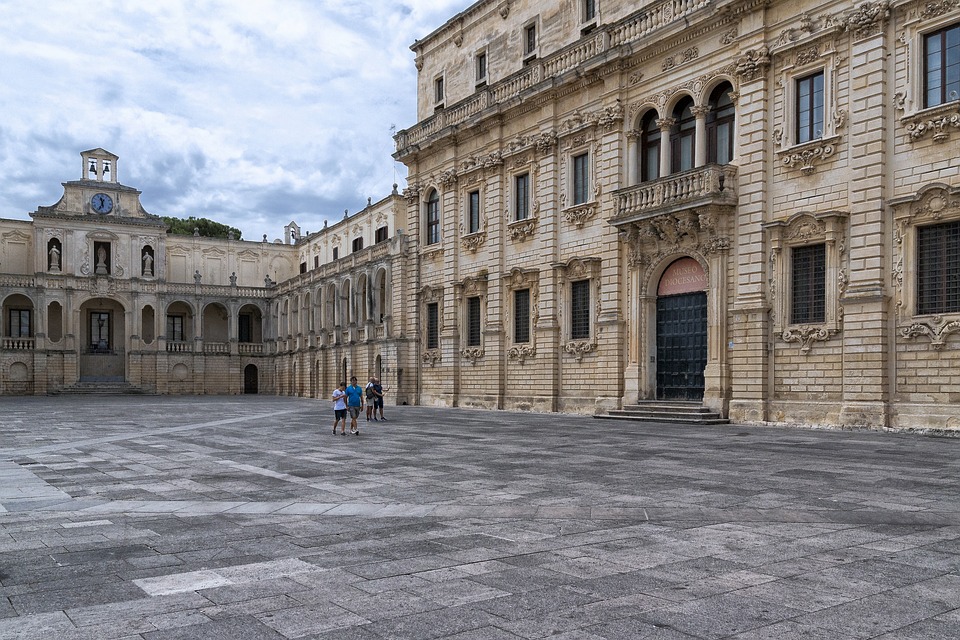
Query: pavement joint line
{"points": [[7, 454]]}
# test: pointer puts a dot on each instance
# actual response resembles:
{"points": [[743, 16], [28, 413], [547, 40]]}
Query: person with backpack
{"points": [[368, 392]]}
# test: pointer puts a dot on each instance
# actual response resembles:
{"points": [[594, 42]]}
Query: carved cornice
{"points": [[581, 213], [521, 352], [937, 330], [806, 155], [753, 64], [807, 335], [473, 241], [578, 348], [431, 357], [520, 230], [867, 19], [472, 354], [937, 124]]}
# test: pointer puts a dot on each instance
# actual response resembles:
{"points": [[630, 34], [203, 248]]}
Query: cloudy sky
{"points": [[248, 112]]}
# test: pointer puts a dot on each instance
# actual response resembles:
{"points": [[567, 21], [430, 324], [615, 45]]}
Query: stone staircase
{"points": [[667, 411], [101, 388]]}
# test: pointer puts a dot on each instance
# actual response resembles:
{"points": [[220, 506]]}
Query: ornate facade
{"points": [[749, 204], [96, 295]]}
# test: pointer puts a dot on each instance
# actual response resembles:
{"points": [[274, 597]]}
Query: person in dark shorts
{"points": [[340, 408], [378, 391], [354, 404]]}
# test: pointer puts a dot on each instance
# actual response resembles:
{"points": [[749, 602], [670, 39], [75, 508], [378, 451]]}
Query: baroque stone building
{"points": [[751, 204], [95, 295]]}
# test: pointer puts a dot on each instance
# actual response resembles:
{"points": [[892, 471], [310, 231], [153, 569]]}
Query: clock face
{"points": [[101, 203]]}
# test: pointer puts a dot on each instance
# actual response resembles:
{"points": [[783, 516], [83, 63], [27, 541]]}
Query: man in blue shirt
{"points": [[354, 404]]}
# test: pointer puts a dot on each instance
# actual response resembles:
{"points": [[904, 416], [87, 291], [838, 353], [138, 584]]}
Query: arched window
{"points": [[683, 136], [649, 147], [720, 125], [432, 222]]}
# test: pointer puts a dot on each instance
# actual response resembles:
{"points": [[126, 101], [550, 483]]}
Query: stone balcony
{"points": [[704, 187]]}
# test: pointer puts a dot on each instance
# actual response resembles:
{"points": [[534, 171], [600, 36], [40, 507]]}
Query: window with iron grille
{"points": [[433, 325], [19, 326], [581, 178], [521, 316], [521, 196], [473, 223], [473, 321], [433, 218], [938, 268], [809, 284], [382, 234], [941, 60], [580, 310], [810, 107]]}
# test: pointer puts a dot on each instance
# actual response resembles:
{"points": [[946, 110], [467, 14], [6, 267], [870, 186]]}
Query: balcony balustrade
{"points": [[710, 184]]}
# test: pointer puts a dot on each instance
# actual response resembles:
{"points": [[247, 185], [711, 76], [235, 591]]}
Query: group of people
{"points": [[352, 399]]}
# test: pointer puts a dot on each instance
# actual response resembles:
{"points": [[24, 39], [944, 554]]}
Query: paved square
{"points": [[244, 517]]}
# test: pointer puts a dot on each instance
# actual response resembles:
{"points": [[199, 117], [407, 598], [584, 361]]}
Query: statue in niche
{"points": [[233, 279], [54, 259], [197, 277], [147, 264], [101, 261]]}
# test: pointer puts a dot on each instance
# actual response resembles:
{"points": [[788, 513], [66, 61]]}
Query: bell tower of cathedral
{"points": [[99, 165]]}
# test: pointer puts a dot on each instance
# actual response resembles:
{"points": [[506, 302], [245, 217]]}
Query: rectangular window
{"points": [[589, 10], [382, 235], [357, 244], [438, 91], [336, 252], [433, 325], [175, 328], [19, 323], [581, 178], [481, 67], [473, 321], [521, 316], [530, 39], [810, 107], [433, 219], [303, 267], [521, 196], [580, 310], [100, 331], [316, 262], [938, 268], [245, 327], [941, 58], [473, 222], [809, 284]]}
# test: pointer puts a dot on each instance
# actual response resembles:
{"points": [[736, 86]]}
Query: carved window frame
{"points": [[522, 229], [429, 296], [802, 61], [575, 146], [577, 270], [933, 204], [805, 229], [472, 288], [517, 280], [917, 119]]}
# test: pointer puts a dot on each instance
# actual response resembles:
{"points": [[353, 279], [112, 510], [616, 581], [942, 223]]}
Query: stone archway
{"points": [[103, 338]]}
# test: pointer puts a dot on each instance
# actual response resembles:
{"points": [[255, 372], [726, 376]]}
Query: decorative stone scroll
{"points": [[938, 126], [868, 18], [520, 230], [580, 214], [937, 331], [753, 63], [431, 357], [473, 241], [806, 336], [521, 352], [472, 354], [806, 156], [578, 348]]}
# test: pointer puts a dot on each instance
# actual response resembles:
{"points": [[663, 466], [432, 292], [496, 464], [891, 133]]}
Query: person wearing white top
{"points": [[340, 408]]}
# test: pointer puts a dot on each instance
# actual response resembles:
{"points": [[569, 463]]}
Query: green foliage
{"points": [[205, 228]]}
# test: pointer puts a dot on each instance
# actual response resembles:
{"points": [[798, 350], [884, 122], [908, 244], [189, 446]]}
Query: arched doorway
{"points": [[103, 338], [681, 331], [250, 379]]}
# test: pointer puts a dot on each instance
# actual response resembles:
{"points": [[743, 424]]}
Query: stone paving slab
{"points": [[243, 517]]}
